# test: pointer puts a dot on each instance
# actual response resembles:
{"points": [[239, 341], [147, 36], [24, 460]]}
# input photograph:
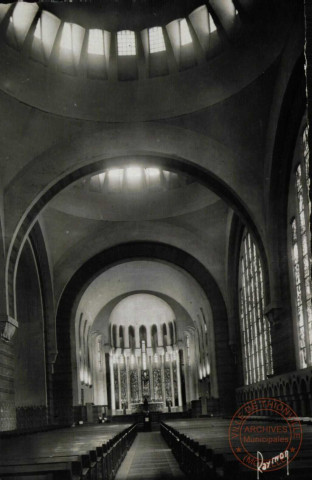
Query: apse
{"points": [[142, 329]]}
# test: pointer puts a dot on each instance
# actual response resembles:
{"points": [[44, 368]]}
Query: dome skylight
{"points": [[134, 179], [73, 54]]}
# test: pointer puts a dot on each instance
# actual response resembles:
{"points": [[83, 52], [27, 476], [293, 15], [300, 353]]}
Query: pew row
{"points": [[86, 453], [202, 450]]}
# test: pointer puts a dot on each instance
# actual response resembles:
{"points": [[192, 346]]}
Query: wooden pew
{"points": [[202, 449], [84, 453]]}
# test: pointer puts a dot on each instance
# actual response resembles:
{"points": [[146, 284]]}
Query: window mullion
{"points": [[300, 233], [255, 334]]}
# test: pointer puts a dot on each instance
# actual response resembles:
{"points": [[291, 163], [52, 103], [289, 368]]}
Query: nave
{"points": [[176, 448]]}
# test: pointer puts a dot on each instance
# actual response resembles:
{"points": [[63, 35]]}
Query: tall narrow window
{"points": [[154, 338], [255, 328], [114, 336], [121, 337], [143, 348], [165, 336], [171, 333], [188, 354], [99, 354], [131, 339], [301, 256]]}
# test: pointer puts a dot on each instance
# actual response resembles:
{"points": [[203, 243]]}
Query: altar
{"points": [[152, 407]]}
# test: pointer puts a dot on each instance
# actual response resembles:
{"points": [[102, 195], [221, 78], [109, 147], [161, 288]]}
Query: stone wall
{"points": [[31, 417], [7, 406], [294, 388]]}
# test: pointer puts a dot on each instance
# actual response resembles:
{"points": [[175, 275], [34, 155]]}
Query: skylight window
{"points": [[212, 25], [96, 42], [134, 177], [153, 172], [152, 176], [156, 40], [67, 37], [126, 43], [185, 33], [37, 33], [115, 179], [134, 173]]}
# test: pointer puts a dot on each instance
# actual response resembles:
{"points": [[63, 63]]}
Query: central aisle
{"points": [[149, 458]]}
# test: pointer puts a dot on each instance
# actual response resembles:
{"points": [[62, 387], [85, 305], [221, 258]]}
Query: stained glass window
{"points": [[255, 328], [301, 256]]}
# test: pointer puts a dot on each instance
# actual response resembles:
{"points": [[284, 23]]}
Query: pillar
{"points": [[171, 381], [127, 360], [179, 379], [7, 397], [137, 337], [148, 337], [119, 383], [112, 381], [162, 361], [139, 378], [150, 368], [126, 337]]}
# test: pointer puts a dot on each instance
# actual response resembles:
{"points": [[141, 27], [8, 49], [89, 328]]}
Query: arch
{"points": [[64, 157], [38, 244], [162, 252], [291, 112], [29, 345]]}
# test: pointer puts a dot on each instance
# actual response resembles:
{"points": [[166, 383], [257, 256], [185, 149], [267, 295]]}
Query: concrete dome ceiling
{"points": [[142, 276], [202, 77], [133, 193], [141, 308]]}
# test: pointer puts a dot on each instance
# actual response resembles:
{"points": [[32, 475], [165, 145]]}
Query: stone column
{"points": [[171, 381], [111, 366], [162, 362], [119, 384], [139, 378], [8, 327], [178, 379], [150, 368], [137, 337], [148, 337], [127, 360], [126, 337]]}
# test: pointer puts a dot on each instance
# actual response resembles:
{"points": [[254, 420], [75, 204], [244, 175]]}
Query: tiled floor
{"points": [[149, 458]]}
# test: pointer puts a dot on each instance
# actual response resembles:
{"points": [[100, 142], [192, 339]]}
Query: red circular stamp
{"points": [[265, 444]]}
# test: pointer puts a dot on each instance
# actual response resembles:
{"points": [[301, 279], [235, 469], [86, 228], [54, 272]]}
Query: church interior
{"points": [[155, 220]]}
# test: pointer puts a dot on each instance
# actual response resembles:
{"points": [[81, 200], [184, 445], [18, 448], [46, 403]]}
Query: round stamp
{"points": [[265, 444]]}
